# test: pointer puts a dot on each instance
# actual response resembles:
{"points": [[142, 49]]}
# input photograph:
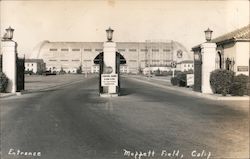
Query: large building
{"points": [[69, 56]]}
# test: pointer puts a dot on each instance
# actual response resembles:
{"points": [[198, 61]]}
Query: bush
{"points": [[182, 79], [28, 72], [79, 70], [39, 72], [239, 85], [221, 81], [61, 72], [3, 82], [174, 81]]}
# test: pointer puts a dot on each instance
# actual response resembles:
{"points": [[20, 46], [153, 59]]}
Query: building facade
{"points": [[69, 56], [186, 65], [233, 50], [229, 51], [35, 65]]}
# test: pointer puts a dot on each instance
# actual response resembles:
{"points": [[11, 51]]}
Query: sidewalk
{"points": [[36, 83], [165, 83]]}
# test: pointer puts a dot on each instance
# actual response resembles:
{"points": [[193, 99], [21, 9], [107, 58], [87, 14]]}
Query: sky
{"points": [[133, 21]]}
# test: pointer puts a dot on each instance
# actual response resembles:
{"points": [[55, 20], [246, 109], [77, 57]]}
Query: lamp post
{"points": [[109, 32], [208, 34], [9, 34]]}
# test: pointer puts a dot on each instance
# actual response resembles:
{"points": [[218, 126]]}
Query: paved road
{"points": [[72, 122]]}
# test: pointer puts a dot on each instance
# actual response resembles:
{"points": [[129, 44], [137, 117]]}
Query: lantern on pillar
{"points": [[208, 34], [9, 33], [109, 32]]}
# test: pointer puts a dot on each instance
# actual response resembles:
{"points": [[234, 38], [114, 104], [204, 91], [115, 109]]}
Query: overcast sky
{"points": [[85, 20]]}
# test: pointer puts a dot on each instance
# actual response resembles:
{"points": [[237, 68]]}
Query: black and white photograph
{"points": [[124, 79]]}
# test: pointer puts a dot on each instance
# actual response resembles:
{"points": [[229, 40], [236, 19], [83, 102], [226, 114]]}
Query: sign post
{"points": [[173, 64]]}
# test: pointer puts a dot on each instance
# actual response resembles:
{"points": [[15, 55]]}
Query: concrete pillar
{"points": [[109, 58], [208, 52], [9, 64]]}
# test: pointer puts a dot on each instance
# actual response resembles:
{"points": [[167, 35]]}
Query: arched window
{"points": [[220, 59]]}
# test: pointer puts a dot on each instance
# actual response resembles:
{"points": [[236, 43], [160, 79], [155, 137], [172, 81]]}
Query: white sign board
{"points": [[190, 79], [109, 80]]}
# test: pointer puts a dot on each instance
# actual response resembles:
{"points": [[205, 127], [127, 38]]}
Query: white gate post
{"points": [[9, 52], [9, 64], [208, 51]]}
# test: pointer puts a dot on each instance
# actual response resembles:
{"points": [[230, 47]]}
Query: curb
{"points": [[6, 95], [192, 93], [37, 90]]}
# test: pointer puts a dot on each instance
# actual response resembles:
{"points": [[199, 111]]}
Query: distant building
{"points": [[35, 65], [69, 56], [185, 65]]}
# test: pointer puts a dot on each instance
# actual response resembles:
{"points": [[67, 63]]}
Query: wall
{"points": [[242, 56]]}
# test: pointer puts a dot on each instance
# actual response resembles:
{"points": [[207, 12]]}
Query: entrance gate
{"points": [[20, 74], [119, 60], [198, 74]]}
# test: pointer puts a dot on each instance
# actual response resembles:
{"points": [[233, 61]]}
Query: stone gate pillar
{"points": [[9, 53], [208, 52], [109, 58]]}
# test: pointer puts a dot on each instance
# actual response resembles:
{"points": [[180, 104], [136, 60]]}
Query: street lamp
{"points": [[208, 34], [109, 32], [9, 34]]}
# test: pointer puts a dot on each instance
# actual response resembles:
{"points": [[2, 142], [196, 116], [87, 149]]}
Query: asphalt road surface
{"points": [[73, 122]]}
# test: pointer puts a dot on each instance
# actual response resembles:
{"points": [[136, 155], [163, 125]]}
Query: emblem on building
{"points": [[179, 53], [108, 70]]}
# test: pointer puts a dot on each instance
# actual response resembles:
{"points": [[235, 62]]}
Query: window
{"points": [[52, 60], [75, 60], [184, 65], [121, 50], [52, 49], [98, 50], [27, 64], [87, 49], [155, 50], [132, 60], [64, 49], [132, 50], [75, 49], [64, 60], [144, 50], [166, 50], [87, 60], [32, 64]]}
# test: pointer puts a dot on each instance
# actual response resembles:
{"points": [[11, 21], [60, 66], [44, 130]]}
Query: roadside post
{"points": [[173, 65]]}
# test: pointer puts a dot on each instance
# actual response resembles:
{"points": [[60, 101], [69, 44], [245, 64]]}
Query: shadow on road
{"points": [[125, 91]]}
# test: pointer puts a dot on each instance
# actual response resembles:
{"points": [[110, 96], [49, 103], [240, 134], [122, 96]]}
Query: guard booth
{"points": [[103, 88]]}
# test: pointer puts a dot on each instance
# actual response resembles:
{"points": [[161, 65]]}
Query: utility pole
{"points": [[86, 74]]}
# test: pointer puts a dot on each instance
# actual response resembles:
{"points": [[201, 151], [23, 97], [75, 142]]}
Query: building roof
{"points": [[34, 60], [241, 34]]}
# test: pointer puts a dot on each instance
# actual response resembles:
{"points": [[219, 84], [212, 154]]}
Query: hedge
{"points": [[239, 85], [174, 81], [221, 81], [3, 82], [182, 79], [179, 80]]}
